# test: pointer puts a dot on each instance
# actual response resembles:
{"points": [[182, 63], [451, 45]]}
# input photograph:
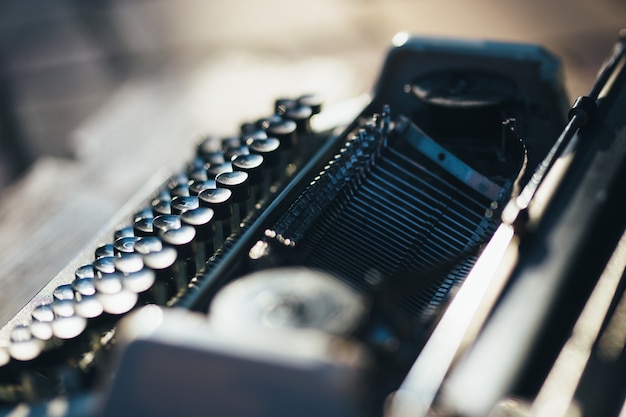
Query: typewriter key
{"points": [[128, 262], [195, 187], [270, 150], [142, 283], [144, 213], [238, 183], [182, 239], [67, 324], [126, 231], [285, 131], [232, 153], [143, 226], [301, 115], [111, 294], [197, 173], [213, 170], [313, 101], [88, 306], [124, 245], [63, 292], [252, 165], [219, 200], [84, 286], [162, 262], [166, 222], [23, 346], [181, 204], [104, 265], [202, 219], [103, 250], [41, 323], [180, 190], [161, 206], [148, 244]]}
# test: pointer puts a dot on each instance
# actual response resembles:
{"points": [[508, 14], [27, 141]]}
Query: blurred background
{"points": [[97, 96]]}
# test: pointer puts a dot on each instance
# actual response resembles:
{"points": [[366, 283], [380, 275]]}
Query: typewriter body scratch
{"points": [[454, 250]]}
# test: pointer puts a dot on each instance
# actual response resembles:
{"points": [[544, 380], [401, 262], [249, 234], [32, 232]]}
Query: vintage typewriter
{"points": [[457, 249]]}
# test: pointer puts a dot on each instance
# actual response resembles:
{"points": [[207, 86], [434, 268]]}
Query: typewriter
{"points": [[457, 249]]}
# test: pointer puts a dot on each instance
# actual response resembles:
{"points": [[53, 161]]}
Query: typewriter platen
{"points": [[432, 256]]}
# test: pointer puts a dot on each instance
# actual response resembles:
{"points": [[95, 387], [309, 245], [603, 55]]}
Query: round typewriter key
{"points": [[180, 190], [285, 132], [252, 164], [202, 219], [143, 226], [237, 182], [148, 244], [23, 346], [163, 264], [213, 170], [104, 250], [63, 292], [123, 232], [231, 142], [84, 286], [124, 245], [43, 313], [111, 294], [281, 105], [231, 153], [269, 149], [256, 134], [41, 324], [5, 357], [208, 145], [104, 265], [195, 187], [181, 204], [198, 173], [41, 329], [89, 307], [140, 282], [182, 239], [129, 262], [161, 206], [213, 158], [176, 180], [265, 122], [144, 213], [67, 324], [301, 115], [313, 101], [166, 222], [219, 200]]}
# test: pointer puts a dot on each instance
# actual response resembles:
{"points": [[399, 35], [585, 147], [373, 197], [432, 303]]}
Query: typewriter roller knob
{"points": [[288, 298]]}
